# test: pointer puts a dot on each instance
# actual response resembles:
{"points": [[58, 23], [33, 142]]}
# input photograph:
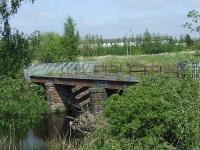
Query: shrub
{"points": [[159, 113], [21, 106], [17, 97], [158, 47]]}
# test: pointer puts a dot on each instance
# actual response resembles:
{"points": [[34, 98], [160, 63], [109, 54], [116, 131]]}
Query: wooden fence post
{"points": [[160, 70], [145, 71], [129, 69]]}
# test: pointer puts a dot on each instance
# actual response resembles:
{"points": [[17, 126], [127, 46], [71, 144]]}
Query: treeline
{"points": [[49, 47], [94, 45]]}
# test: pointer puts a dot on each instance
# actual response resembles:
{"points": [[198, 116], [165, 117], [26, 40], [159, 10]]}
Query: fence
{"points": [[123, 70], [194, 67], [130, 69], [92, 68]]}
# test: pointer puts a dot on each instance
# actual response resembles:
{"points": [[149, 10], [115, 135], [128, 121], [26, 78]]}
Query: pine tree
{"points": [[188, 40]]}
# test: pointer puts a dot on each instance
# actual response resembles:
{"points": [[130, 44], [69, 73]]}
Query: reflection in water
{"points": [[55, 124], [30, 141], [51, 126]]}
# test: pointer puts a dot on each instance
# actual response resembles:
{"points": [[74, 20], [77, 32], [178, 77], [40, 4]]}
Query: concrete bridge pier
{"points": [[54, 99], [97, 95]]}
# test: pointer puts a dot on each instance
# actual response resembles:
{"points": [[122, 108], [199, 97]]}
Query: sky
{"points": [[109, 18]]}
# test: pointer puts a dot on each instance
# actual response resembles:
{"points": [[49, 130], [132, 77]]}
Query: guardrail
{"points": [[64, 69], [122, 70]]}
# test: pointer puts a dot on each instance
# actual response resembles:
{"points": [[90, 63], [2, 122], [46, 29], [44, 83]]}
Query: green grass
{"points": [[165, 59]]}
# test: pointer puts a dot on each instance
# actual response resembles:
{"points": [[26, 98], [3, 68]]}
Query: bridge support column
{"points": [[97, 95], [55, 102]]}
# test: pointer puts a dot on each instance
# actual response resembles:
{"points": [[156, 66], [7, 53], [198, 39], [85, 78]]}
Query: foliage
{"points": [[94, 45], [21, 106], [188, 40], [70, 39], [91, 45], [50, 49], [14, 54], [147, 36], [7, 9], [193, 24], [20, 103], [14, 46], [18, 97], [161, 112]]}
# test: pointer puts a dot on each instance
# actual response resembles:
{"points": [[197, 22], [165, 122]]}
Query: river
{"points": [[35, 134]]}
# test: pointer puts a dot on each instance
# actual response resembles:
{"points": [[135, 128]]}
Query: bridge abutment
{"points": [[54, 99], [57, 100], [97, 95]]}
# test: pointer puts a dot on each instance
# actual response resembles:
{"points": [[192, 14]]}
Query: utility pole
{"points": [[130, 40], [127, 45]]}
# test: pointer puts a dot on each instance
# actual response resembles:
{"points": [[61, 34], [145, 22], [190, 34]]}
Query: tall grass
{"points": [[165, 59]]}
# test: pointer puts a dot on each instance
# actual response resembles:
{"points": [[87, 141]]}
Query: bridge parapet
{"points": [[58, 69]]}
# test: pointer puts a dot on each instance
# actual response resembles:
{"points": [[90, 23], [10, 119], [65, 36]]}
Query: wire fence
{"points": [[194, 67]]}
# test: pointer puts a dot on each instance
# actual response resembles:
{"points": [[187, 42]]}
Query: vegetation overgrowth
{"points": [[164, 59], [20, 103], [161, 112]]}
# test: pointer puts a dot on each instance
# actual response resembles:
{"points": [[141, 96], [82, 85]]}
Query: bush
{"points": [[159, 113], [19, 98], [21, 105], [158, 47], [162, 112]]}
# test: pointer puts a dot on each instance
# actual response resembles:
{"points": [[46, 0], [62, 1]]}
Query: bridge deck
{"points": [[110, 82]]}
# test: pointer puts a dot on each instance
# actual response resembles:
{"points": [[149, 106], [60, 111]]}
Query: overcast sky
{"points": [[109, 18]]}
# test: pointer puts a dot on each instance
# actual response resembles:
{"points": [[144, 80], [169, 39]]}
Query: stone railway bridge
{"points": [[80, 90], [67, 88], [80, 84]]}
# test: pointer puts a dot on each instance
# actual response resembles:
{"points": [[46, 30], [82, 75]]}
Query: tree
{"points": [[14, 46], [147, 36], [50, 47], [193, 24], [147, 42], [86, 48], [188, 40], [7, 9], [70, 39]]}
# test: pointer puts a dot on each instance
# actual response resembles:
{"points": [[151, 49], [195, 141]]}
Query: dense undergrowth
{"points": [[21, 105], [161, 112], [20, 97]]}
